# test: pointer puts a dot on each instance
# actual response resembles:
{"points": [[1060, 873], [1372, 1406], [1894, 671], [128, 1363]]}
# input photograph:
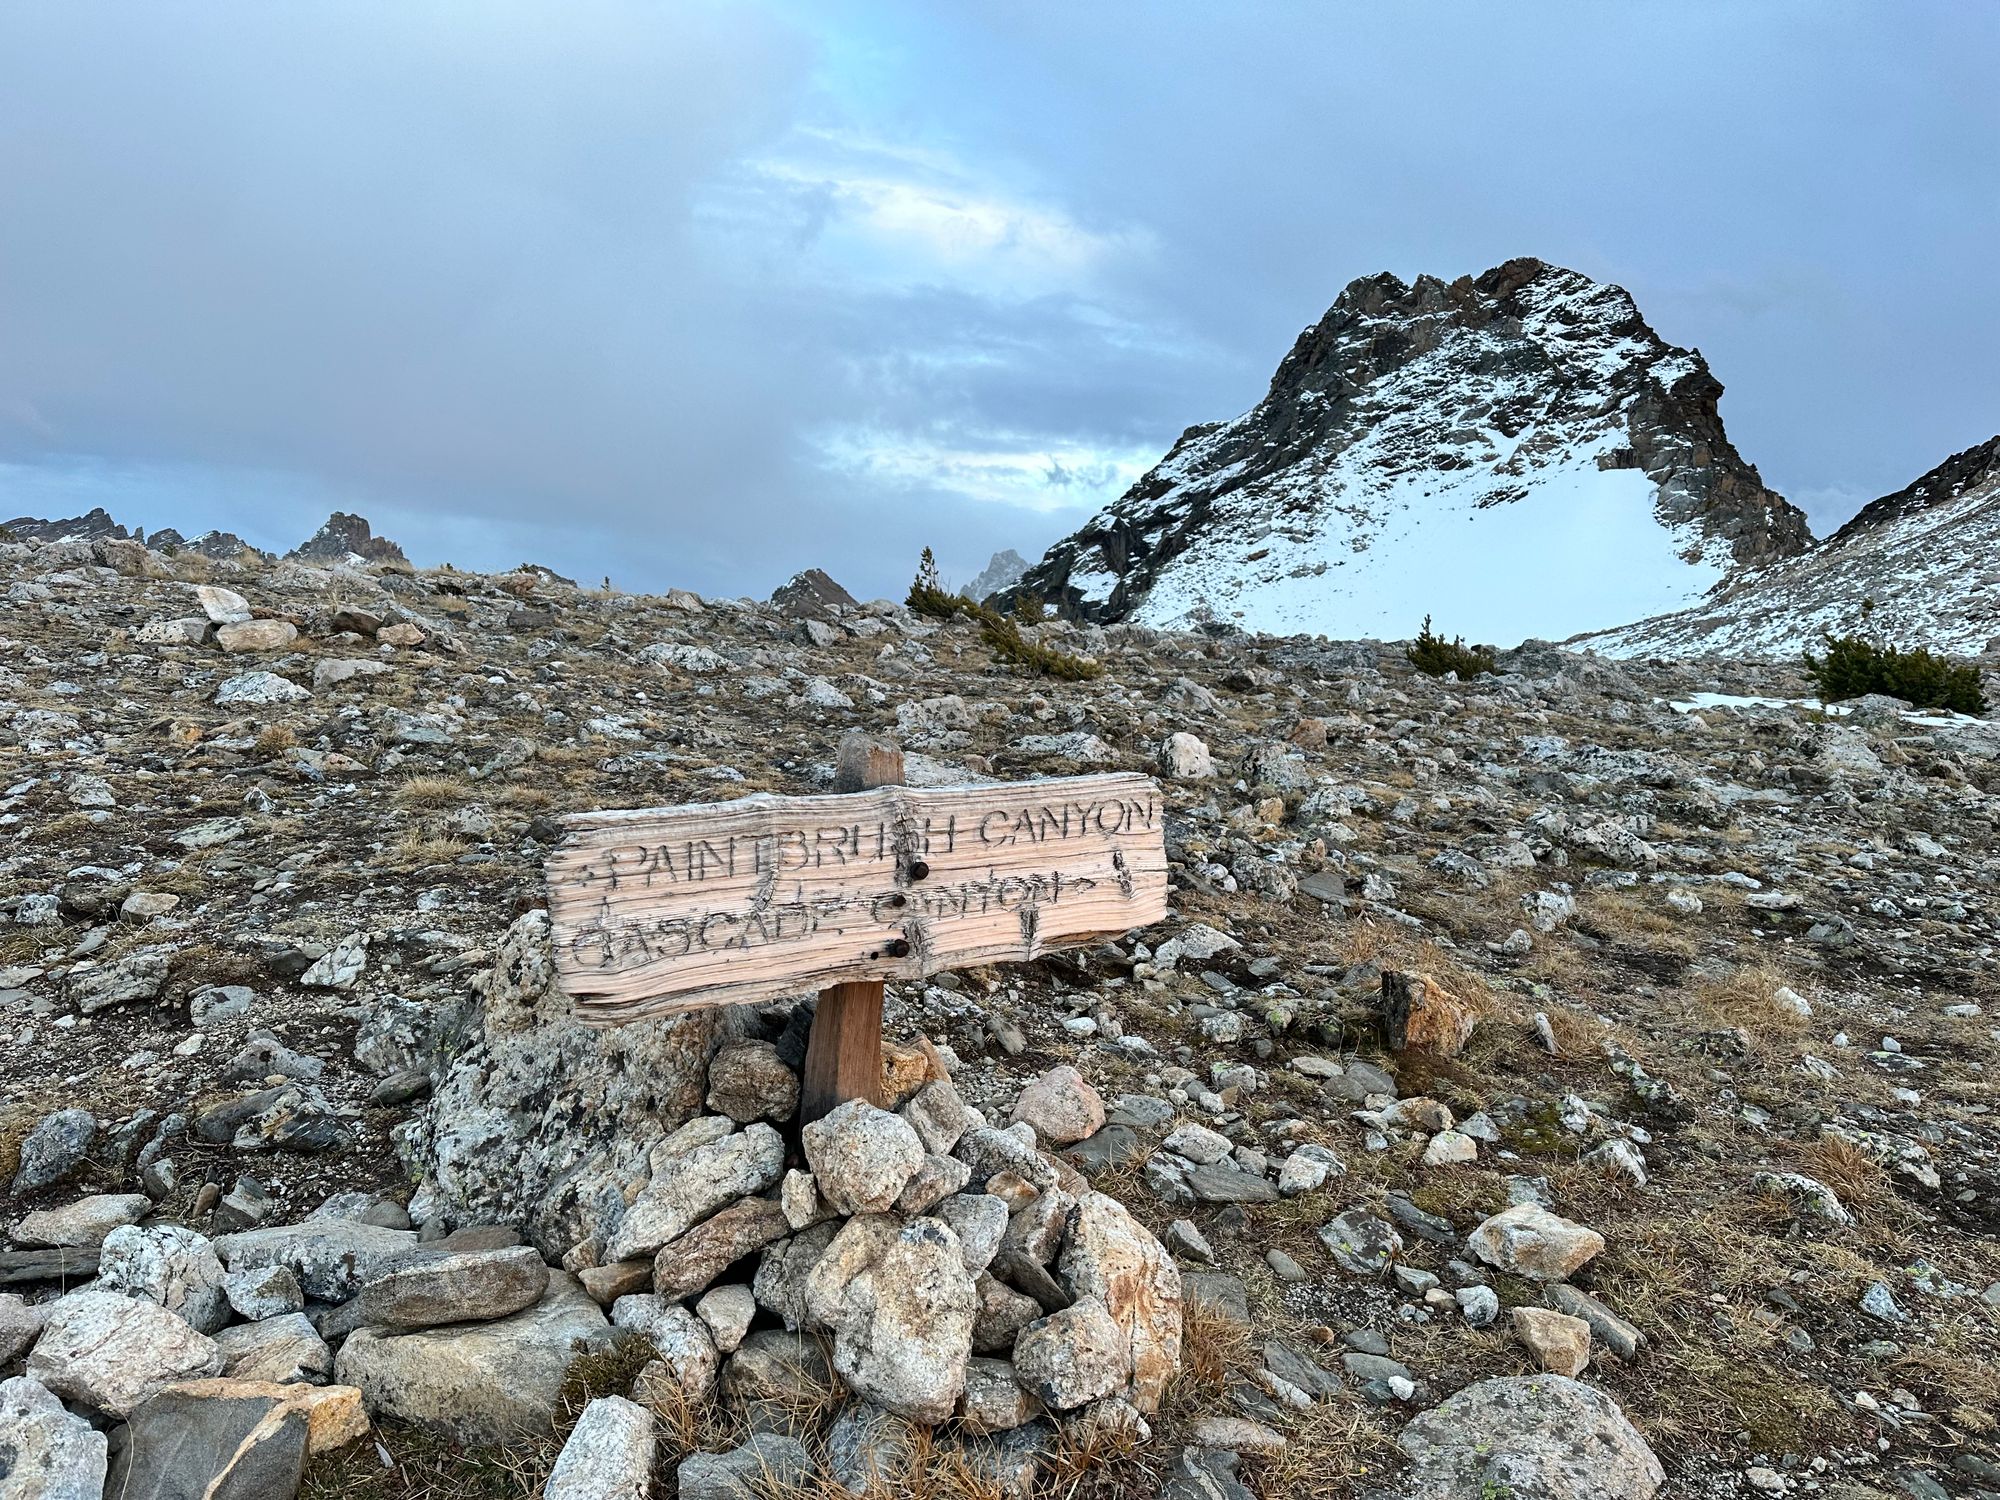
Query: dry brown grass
{"points": [[1746, 999], [431, 792], [275, 740], [420, 849], [1856, 1178]]}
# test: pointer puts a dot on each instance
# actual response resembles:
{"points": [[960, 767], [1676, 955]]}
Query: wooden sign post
{"points": [[661, 910]]}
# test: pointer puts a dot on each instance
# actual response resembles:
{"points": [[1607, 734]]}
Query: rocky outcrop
{"points": [[346, 538], [539, 1121]]}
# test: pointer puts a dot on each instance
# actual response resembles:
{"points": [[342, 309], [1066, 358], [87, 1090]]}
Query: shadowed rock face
{"points": [[89, 527], [345, 536], [1521, 372]]}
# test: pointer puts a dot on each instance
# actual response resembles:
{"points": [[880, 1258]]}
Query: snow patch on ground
{"points": [[1578, 544]]}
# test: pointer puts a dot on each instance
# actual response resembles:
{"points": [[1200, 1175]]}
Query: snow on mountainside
{"points": [[1920, 567], [1518, 453]]}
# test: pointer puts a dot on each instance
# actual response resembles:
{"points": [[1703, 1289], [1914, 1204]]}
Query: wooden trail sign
{"points": [[658, 910]]}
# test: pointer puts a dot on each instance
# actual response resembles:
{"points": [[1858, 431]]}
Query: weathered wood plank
{"points": [[657, 910]]}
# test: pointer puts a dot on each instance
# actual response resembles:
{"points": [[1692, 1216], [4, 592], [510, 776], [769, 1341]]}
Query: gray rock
{"points": [[994, 1400], [980, 1222], [84, 1223], [780, 1283], [45, 1453], [1224, 1182], [1530, 1435], [869, 1449], [690, 1187], [774, 1366], [1204, 1474], [608, 1455], [1218, 1292], [1112, 1147], [452, 1288], [686, 1348], [263, 1292], [482, 1382], [170, 1265], [112, 1352], [259, 690], [900, 1305], [1361, 1243], [330, 1258], [213, 1440], [1610, 1329], [1072, 1357], [280, 1349], [862, 1157], [53, 1149], [138, 975], [768, 1462]]}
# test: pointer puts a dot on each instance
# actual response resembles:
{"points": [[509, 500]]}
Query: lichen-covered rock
{"points": [[1111, 1256], [57, 1144], [688, 1188], [111, 1352], [1544, 1436], [45, 1452], [862, 1157], [1528, 1240], [1074, 1356], [686, 1348], [747, 1080], [900, 1305], [538, 1121], [1361, 1242]]}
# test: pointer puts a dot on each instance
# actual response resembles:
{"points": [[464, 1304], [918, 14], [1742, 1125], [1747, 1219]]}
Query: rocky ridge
{"points": [[1915, 568], [1526, 422], [1575, 1081]]}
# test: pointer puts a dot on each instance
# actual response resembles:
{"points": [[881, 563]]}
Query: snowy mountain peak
{"points": [[1517, 452]]}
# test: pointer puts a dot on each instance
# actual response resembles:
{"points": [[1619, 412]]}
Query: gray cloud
{"points": [[703, 294]]}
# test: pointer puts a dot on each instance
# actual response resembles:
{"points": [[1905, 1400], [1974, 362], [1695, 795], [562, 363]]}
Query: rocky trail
{"points": [[1575, 1082]]}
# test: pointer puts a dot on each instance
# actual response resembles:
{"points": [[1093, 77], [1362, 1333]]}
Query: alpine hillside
{"points": [[1518, 451], [1920, 567]]}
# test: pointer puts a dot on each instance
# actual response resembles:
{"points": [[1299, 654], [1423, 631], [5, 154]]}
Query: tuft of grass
{"points": [[431, 792]]}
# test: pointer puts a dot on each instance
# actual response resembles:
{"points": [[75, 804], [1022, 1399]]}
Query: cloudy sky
{"points": [[702, 294]]}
